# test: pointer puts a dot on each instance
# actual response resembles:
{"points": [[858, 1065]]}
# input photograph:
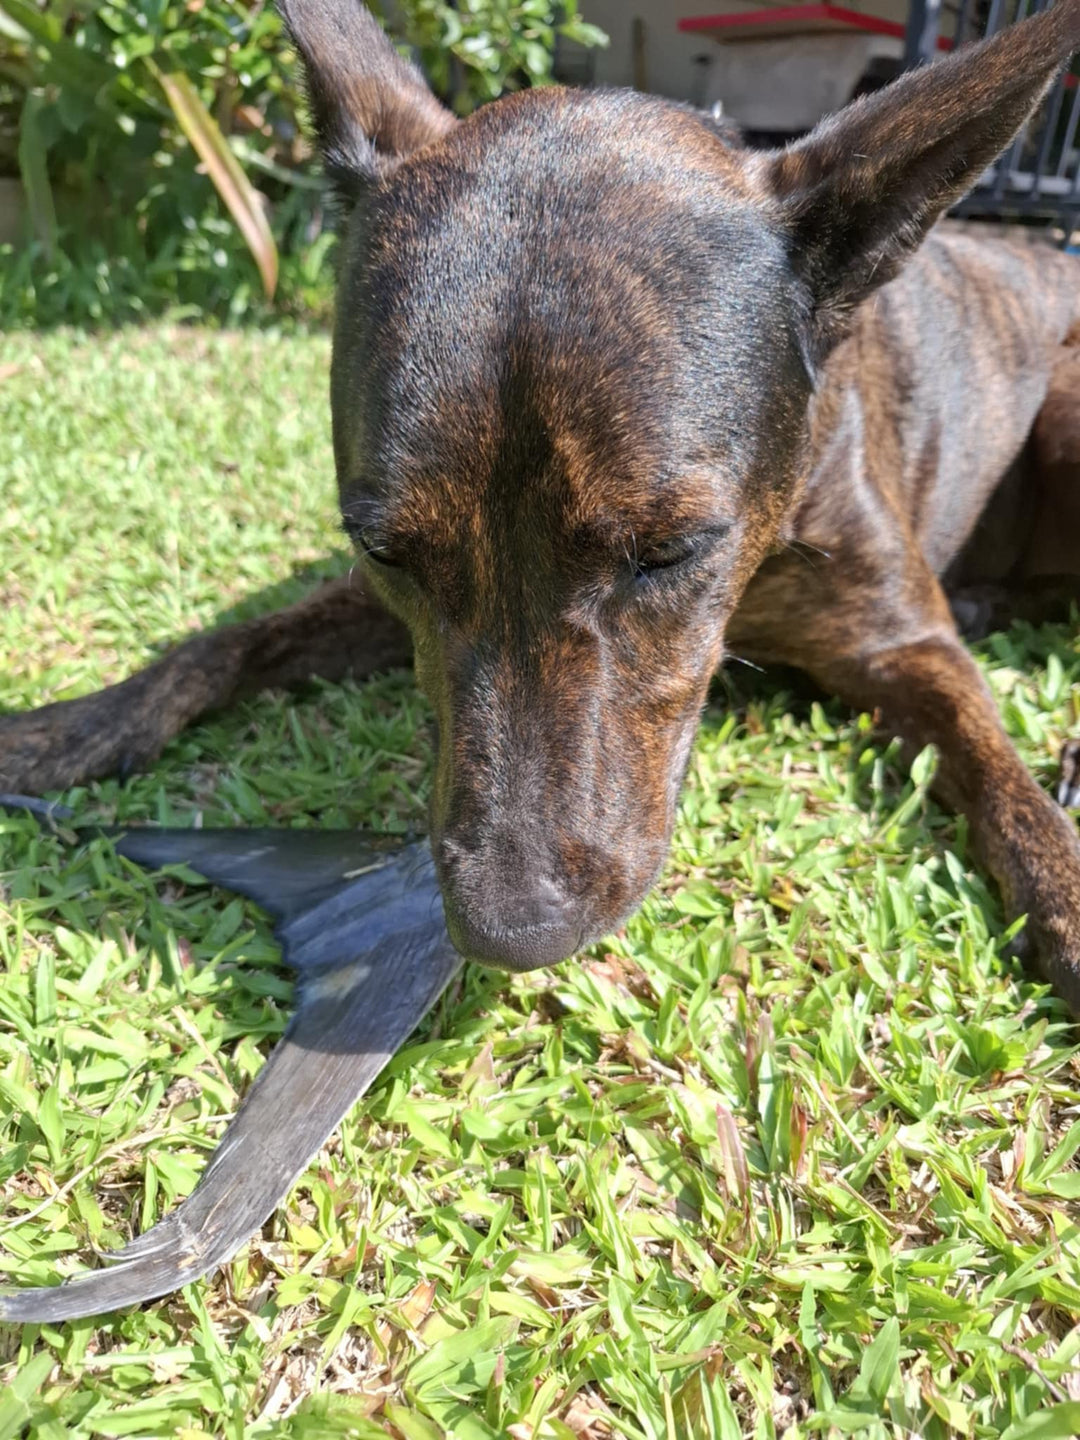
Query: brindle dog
{"points": [[596, 372]]}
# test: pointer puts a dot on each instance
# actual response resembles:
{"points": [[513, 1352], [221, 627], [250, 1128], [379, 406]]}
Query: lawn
{"points": [[794, 1154]]}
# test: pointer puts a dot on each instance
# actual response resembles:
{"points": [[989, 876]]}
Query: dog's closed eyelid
{"points": [[380, 555], [373, 546], [665, 554]]}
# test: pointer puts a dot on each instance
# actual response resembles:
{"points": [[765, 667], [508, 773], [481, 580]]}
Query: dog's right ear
{"points": [[860, 192], [371, 108]]}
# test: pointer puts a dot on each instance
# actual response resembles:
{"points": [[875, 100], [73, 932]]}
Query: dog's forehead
{"points": [[574, 290]]}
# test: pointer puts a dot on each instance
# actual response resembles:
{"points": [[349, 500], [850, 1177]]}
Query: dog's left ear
{"points": [[371, 108], [860, 192]]}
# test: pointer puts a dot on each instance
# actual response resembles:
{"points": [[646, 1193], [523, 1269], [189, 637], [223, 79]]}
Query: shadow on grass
{"points": [[1024, 651], [301, 581]]}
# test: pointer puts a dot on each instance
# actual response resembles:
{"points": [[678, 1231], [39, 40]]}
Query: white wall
{"points": [[669, 54]]}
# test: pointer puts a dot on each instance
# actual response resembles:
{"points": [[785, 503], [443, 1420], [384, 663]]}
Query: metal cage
{"points": [[1038, 177]]}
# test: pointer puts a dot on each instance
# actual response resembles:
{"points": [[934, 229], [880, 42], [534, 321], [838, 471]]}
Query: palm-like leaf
{"points": [[224, 170]]}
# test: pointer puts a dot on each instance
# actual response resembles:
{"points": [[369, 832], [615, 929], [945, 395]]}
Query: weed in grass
{"points": [[794, 1154]]}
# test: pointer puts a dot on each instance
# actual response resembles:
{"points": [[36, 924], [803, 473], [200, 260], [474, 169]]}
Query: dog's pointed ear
{"points": [[860, 192], [371, 108]]}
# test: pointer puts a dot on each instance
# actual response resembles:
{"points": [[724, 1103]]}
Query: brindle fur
{"points": [[596, 371]]}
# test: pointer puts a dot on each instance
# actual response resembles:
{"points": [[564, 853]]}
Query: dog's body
{"points": [[610, 393], [928, 451]]}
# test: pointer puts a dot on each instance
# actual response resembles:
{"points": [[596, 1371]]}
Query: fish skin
{"points": [[362, 925]]}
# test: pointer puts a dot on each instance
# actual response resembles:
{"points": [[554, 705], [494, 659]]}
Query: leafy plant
{"points": [[476, 49], [127, 110], [132, 85]]}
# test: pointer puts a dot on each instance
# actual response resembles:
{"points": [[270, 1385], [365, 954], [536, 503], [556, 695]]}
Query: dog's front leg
{"points": [[336, 631], [930, 691], [871, 624]]}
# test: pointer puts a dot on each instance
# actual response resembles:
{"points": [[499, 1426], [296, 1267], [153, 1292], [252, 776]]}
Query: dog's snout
{"points": [[520, 927], [514, 947]]}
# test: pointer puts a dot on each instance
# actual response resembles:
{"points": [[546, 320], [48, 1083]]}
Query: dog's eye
{"points": [[654, 558], [376, 551], [663, 557]]}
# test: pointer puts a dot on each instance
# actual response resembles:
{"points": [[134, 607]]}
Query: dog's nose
{"points": [[515, 932]]}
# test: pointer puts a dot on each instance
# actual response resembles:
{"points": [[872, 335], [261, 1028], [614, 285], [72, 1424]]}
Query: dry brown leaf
{"points": [[588, 1418], [412, 1311]]}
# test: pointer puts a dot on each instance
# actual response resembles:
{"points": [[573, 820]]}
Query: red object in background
{"points": [[808, 20], [796, 19]]}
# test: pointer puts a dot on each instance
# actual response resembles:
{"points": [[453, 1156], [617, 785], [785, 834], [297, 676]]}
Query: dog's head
{"points": [[573, 359]]}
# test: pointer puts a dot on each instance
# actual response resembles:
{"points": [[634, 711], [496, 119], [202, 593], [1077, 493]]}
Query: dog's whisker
{"points": [[801, 547]]}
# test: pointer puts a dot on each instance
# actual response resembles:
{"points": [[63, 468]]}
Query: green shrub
{"points": [[474, 50], [162, 151], [142, 124]]}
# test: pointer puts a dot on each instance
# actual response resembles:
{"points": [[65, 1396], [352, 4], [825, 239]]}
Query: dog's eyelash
{"points": [[650, 564], [372, 549], [673, 554], [381, 556], [357, 518]]}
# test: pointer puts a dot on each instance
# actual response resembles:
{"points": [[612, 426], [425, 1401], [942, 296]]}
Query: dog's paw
{"points": [[1068, 786], [973, 614]]}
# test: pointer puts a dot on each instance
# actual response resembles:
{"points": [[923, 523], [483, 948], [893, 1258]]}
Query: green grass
{"points": [[795, 1154]]}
